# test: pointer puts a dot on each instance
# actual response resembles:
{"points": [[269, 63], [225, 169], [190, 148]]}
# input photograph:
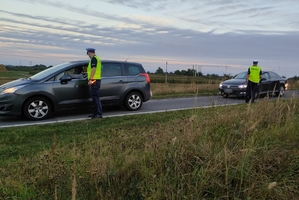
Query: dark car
{"points": [[65, 86], [271, 84]]}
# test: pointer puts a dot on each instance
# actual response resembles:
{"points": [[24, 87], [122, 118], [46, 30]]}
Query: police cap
{"points": [[91, 50], [255, 61]]}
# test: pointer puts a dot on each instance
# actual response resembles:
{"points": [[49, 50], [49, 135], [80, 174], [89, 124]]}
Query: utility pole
{"points": [[166, 73], [193, 71]]}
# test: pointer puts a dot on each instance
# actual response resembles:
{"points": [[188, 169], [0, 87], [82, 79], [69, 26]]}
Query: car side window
{"points": [[273, 75], [266, 76], [75, 72], [133, 70], [111, 69], [58, 76]]}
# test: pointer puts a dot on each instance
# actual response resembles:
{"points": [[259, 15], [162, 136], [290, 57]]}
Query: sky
{"points": [[211, 36]]}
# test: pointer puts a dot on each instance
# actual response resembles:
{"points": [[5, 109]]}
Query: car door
{"points": [[74, 92], [265, 83], [113, 82]]}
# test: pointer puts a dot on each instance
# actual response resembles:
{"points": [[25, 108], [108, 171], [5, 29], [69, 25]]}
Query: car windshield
{"points": [[241, 75], [48, 71]]}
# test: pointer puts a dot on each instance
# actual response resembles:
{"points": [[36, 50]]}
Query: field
{"points": [[12, 75], [230, 152]]}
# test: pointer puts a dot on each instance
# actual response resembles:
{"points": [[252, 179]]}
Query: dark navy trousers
{"points": [[251, 91], [95, 95]]}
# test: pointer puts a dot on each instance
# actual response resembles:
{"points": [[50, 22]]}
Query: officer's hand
{"points": [[90, 82]]}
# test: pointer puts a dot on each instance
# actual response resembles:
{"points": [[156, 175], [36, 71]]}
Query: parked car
{"points": [[65, 86], [271, 84]]}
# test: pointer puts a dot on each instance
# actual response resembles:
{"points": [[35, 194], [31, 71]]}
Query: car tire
{"points": [[281, 91], [133, 101], [37, 108]]}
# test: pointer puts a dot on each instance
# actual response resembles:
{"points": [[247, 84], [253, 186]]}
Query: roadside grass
{"points": [[229, 152], [165, 90], [15, 74], [293, 84], [172, 78], [12, 75]]}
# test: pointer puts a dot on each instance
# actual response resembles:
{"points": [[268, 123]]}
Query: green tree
{"points": [[199, 74], [159, 71], [177, 72]]}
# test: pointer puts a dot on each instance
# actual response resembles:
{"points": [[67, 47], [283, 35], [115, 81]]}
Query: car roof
{"points": [[263, 71], [115, 61]]}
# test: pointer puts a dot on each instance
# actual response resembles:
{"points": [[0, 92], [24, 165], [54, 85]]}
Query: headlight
{"points": [[242, 86], [11, 90], [220, 85]]}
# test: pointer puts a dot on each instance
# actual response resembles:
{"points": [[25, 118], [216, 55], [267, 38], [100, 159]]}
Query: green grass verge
{"points": [[15, 74], [230, 152]]}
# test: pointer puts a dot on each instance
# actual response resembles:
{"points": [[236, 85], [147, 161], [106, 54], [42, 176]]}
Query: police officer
{"points": [[253, 78], [94, 71]]}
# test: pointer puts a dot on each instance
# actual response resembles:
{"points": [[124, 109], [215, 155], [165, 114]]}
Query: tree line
{"points": [[190, 72]]}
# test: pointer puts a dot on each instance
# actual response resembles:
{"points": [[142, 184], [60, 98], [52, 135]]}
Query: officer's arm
{"points": [[247, 76]]}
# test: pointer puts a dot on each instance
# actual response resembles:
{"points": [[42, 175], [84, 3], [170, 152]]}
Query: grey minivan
{"points": [[64, 86]]}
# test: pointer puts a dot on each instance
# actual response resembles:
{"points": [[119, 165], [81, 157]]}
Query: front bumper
{"points": [[232, 92], [8, 105]]}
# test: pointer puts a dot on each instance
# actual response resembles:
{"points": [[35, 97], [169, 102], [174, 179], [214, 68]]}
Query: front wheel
{"points": [[281, 91], [37, 108], [133, 101]]}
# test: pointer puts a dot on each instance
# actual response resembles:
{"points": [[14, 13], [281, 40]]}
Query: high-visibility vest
{"points": [[98, 72], [254, 75]]}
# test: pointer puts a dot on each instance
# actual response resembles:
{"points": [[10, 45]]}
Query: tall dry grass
{"points": [[5, 80], [293, 85], [233, 152], [160, 89]]}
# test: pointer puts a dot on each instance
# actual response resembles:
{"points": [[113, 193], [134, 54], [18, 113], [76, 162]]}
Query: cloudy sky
{"points": [[214, 36]]}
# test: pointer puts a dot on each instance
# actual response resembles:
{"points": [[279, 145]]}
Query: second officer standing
{"points": [[253, 78]]}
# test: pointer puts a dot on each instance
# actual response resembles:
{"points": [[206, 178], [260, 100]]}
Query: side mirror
{"points": [[65, 78], [263, 79]]}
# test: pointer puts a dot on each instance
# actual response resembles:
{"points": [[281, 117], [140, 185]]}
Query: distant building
{"points": [[2, 68]]}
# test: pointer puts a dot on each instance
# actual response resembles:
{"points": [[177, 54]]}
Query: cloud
{"points": [[184, 33]]}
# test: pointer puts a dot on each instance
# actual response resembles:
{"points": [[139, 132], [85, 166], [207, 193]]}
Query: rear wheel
{"points": [[133, 101], [37, 108]]}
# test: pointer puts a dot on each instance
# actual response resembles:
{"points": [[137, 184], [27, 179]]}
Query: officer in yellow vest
{"points": [[253, 78], [94, 70]]}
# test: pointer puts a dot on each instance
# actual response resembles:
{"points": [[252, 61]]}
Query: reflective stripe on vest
{"points": [[254, 75], [98, 72]]}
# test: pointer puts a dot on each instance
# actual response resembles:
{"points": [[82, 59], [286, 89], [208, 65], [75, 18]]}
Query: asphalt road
{"points": [[151, 106]]}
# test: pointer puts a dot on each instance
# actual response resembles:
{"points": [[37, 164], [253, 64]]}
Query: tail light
{"points": [[146, 76]]}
